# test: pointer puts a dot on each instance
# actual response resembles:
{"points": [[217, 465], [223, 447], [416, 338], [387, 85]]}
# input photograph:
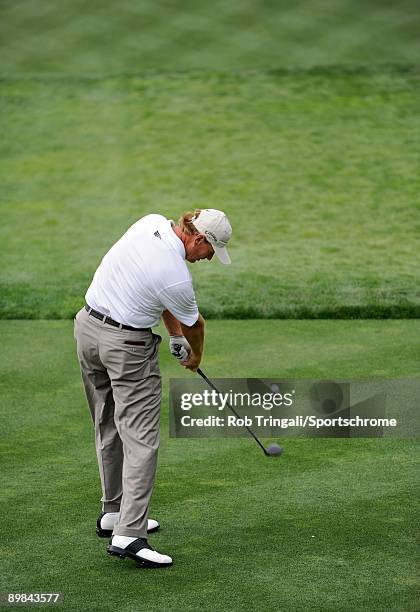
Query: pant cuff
{"points": [[110, 507], [131, 533]]}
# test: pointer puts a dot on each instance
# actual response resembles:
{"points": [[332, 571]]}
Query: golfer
{"points": [[142, 278]]}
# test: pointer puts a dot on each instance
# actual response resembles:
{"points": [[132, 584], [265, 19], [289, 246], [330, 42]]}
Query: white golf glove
{"points": [[179, 347]]}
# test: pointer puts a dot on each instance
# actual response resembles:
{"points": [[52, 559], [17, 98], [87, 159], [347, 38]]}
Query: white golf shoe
{"points": [[106, 521], [139, 550]]}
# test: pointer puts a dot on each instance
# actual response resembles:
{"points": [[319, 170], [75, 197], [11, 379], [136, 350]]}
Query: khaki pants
{"points": [[121, 376]]}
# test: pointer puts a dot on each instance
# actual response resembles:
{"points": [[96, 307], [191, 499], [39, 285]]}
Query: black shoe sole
{"points": [[122, 554], [107, 533]]}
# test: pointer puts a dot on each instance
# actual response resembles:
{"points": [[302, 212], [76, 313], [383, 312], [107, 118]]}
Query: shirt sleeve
{"points": [[179, 299]]}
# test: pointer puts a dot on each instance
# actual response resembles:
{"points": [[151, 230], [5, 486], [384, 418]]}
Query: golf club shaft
{"points": [[204, 377]]}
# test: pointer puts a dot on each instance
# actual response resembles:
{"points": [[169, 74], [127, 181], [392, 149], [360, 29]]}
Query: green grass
{"points": [[239, 526], [300, 119], [77, 37], [318, 171]]}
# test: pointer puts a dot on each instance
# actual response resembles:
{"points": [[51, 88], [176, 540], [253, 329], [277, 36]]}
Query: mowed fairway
{"points": [[317, 170], [105, 37], [327, 527]]}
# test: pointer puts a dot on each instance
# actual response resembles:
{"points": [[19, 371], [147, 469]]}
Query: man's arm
{"points": [[171, 323], [195, 336]]}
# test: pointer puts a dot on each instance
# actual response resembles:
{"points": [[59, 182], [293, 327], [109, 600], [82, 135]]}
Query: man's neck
{"points": [[178, 231]]}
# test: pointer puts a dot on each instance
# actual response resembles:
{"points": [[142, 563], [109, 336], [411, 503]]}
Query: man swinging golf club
{"points": [[142, 278]]}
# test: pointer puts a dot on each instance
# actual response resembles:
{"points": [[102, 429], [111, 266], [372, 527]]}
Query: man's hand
{"points": [[193, 362], [179, 348]]}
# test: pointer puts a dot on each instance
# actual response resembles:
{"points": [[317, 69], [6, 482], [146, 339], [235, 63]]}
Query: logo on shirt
{"points": [[156, 233]]}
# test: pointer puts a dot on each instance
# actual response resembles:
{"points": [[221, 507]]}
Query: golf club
{"points": [[273, 450]]}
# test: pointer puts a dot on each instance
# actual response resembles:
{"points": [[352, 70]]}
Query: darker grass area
{"points": [[24, 302], [334, 70], [75, 37]]}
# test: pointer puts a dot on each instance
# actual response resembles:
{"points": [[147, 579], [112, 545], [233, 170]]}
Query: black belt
{"points": [[105, 319]]}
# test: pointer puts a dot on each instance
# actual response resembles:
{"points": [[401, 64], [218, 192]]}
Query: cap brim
{"points": [[222, 254]]}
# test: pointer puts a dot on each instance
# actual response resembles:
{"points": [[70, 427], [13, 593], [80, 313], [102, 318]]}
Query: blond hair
{"points": [[186, 222]]}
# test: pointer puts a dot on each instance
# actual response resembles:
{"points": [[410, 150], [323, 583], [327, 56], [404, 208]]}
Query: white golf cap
{"points": [[216, 228]]}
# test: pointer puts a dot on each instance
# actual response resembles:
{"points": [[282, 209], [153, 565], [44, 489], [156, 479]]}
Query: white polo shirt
{"points": [[142, 275]]}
